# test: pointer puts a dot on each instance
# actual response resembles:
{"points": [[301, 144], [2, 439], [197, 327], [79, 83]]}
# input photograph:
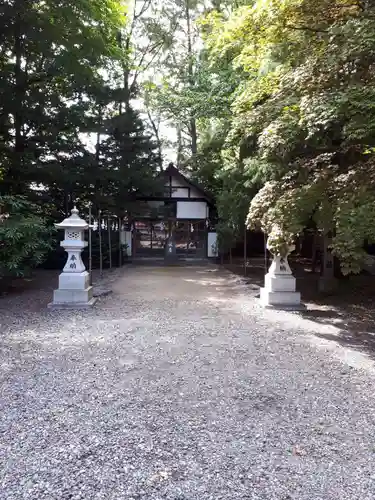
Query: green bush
{"points": [[25, 237]]}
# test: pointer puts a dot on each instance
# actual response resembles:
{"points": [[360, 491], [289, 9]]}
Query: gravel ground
{"points": [[179, 386]]}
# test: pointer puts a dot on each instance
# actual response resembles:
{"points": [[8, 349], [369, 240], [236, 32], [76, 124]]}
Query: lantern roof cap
{"points": [[73, 221]]}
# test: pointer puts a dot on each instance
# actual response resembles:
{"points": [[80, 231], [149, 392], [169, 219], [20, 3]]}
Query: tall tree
{"points": [[52, 55], [62, 83], [175, 82], [129, 163], [303, 115]]}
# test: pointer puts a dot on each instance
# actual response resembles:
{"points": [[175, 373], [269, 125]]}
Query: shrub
{"points": [[25, 237]]}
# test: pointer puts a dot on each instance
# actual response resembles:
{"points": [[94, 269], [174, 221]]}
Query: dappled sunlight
{"points": [[208, 270], [347, 353], [69, 328], [67, 334], [205, 282]]}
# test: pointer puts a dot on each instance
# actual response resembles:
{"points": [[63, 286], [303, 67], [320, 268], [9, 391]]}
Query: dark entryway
{"points": [[191, 237], [149, 238]]}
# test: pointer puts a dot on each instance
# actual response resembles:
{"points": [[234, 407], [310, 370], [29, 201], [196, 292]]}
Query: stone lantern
{"points": [[74, 289], [279, 289]]}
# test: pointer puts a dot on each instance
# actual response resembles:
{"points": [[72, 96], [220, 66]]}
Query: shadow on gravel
{"points": [[351, 309], [228, 285], [355, 324]]}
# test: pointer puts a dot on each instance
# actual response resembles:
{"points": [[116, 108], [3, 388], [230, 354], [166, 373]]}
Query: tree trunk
{"points": [[125, 72], [194, 136], [155, 129], [126, 77], [193, 124], [19, 97], [179, 146]]}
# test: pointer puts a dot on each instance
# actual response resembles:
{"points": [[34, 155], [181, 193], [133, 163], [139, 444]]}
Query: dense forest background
{"points": [[270, 105]]}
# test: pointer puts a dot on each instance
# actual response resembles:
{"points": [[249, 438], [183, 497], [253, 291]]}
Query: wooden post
{"points": [[90, 243], [245, 251], [314, 251], [119, 242], [100, 243], [109, 241], [327, 280]]}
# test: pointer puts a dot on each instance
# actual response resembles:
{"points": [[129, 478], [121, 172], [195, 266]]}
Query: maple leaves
{"points": [[306, 107]]}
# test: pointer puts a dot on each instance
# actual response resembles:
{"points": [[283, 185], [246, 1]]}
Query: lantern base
{"points": [[287, 300], [74, 292], [72, 305], [74, 281]]}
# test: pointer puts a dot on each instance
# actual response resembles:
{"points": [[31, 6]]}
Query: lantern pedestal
{"points": [[279, 290], [74, 291]]}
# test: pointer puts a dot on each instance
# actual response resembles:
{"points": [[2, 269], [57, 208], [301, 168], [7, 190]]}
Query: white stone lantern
{"points": [[279, 289], [74, 289]]}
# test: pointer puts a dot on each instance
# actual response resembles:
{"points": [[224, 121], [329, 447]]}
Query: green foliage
{"points": [[273, 103], [302, 128], [282, 98], [125, 165], [24, 237], [51, 63], [68, 133], [279, 242]]}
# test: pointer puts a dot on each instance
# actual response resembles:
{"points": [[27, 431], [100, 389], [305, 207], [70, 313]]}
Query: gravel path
{"points": [[179, 386]]}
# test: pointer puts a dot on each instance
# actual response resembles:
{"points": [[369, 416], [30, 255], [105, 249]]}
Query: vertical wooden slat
{"points": [[245, 251], [100, 243], [109, 242], [90, 244]]}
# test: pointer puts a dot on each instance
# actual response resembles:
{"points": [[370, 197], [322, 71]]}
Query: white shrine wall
{"points": [[192, 210]]}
